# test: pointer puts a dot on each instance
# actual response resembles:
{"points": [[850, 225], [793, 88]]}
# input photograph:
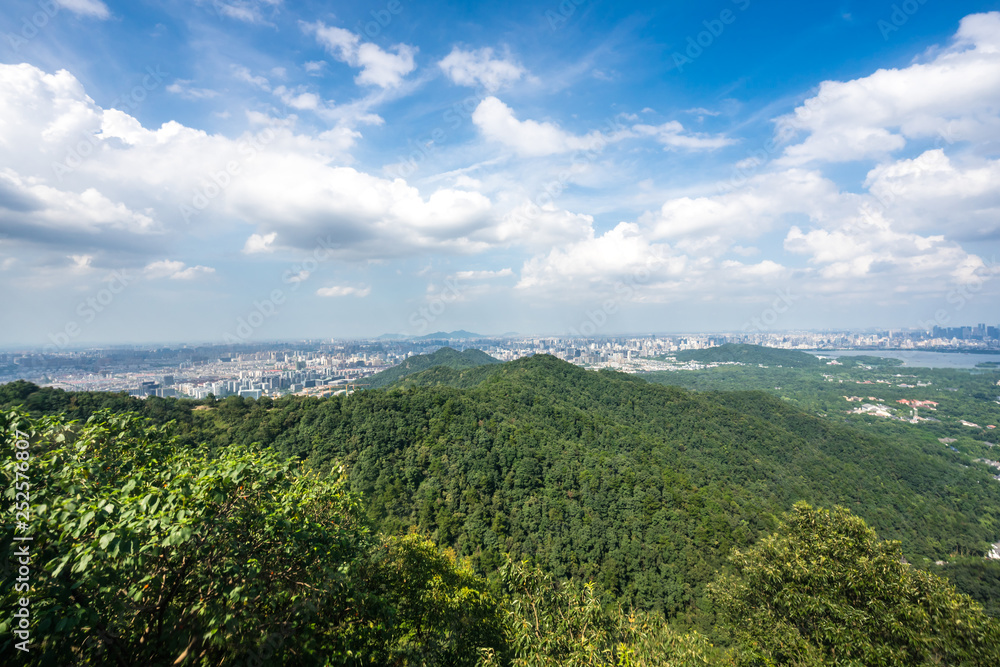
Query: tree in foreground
{"points": [[144, 552], [825, 590], [564, 624]]}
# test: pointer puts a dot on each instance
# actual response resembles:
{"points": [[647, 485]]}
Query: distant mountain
{"points": [[445, 357], [453, 335], [437, 335], [750, 354]]}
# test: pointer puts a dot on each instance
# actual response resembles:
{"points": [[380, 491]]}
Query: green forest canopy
{"points": [[148, 551], [640, 488]]}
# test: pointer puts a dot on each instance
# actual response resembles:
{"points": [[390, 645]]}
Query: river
{"points": [[917, 358]]}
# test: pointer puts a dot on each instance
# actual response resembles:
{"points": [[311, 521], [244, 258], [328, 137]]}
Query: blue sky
{"points": [[265, 169]]}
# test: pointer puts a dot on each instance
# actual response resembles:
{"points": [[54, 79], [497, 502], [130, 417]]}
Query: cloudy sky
{"points": [[198, 170]]}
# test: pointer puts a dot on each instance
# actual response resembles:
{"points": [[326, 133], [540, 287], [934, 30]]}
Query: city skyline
{"points": [[244, 171]]}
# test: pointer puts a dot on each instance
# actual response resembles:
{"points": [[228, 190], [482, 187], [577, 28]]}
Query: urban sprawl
{"points": [[328, 367]]}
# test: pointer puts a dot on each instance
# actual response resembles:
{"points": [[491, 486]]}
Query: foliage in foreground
{"points": [[555, 624], [824, 590], [146, 552]]}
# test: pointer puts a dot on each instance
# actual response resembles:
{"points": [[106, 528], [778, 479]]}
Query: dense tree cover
{"points": [[602, 476], [977, 578], [445, 357], [824, 590], [750, 354], [850, 361], [148, 551], [554, 623]]}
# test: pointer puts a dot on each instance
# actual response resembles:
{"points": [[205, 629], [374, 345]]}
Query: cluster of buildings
{"points": [[330, 366]]}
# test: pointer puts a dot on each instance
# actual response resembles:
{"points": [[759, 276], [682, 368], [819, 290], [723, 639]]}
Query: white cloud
{"points": [[480, 68], [954, 96], [484, 275], [131, 185], [673, 135], [531, 138], [91, 8], [298, 98], [540, 227], [344, 290], [175, 270], [184, 88], [259, 243], [497, 122], [244, 74], [614, 255], [34, 209], [750, 211], [250, 11], [932, 193], [378, 68]]}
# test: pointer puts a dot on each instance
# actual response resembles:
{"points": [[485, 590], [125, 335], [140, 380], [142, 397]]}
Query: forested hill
{"points": [[641, 488], [446, 356], [750, 354]]}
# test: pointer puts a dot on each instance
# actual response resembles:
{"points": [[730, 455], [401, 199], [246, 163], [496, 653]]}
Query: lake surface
{"points": [[917, 358]]}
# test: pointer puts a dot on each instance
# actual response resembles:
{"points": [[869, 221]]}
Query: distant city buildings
{"points": [[322, 368]]}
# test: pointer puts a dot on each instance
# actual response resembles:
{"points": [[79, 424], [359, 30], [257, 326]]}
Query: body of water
{"points": [[917, 358]]}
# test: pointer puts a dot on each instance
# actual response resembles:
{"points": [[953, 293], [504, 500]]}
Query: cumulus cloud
{"points": [[480, 68], [34, 211], [932, 193], [750, 211], [116, 180], [615, 255], [540, 227], [258, 243], [497, 122], [531, 138], [954, 96], [380, 68], [175, 270], [344, 290]]}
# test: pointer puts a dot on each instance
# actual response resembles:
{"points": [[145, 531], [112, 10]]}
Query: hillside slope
{"points": [[750, 354], [640, 487], [446, 356]]}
